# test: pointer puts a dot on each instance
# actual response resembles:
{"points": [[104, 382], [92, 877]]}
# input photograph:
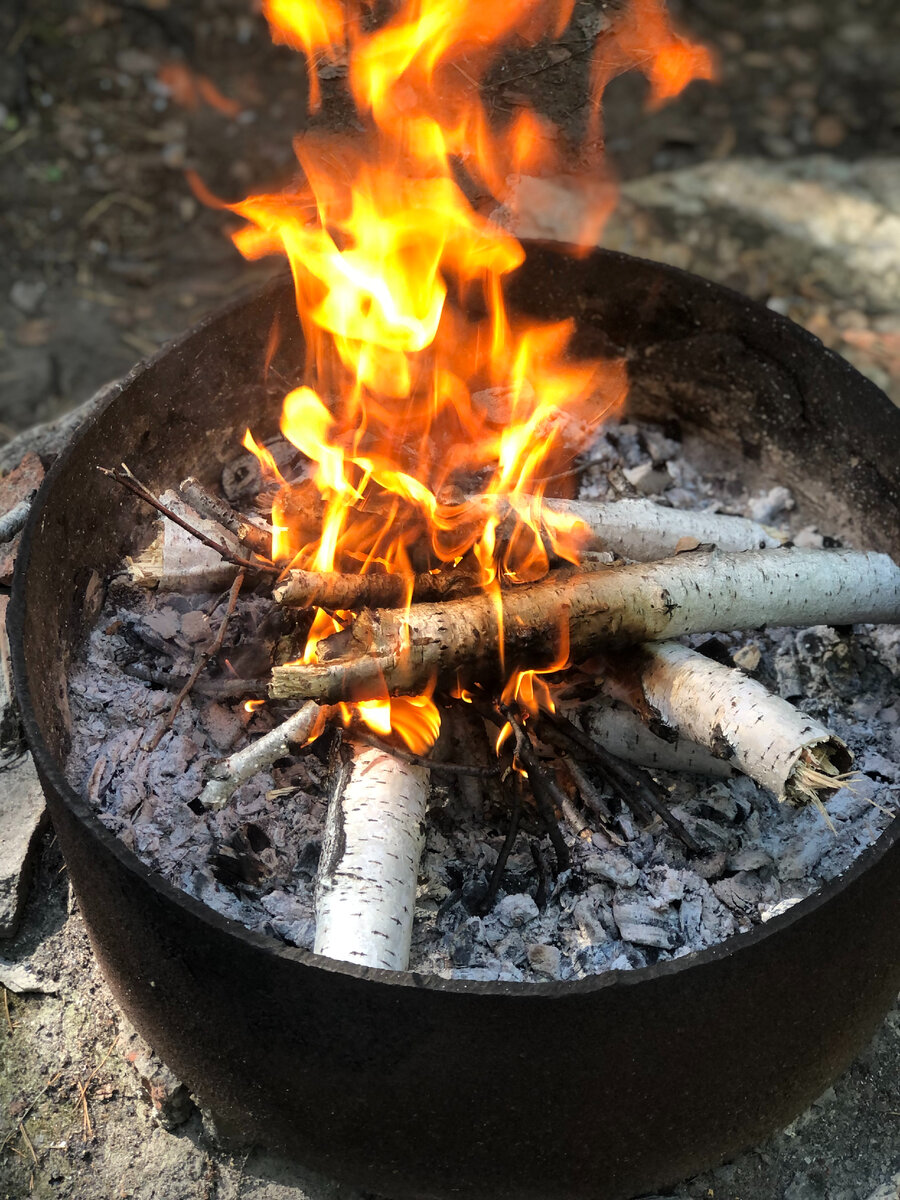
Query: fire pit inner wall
{"points": [[418, 1087]]}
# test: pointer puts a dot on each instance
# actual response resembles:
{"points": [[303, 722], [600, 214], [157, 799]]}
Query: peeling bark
{"points": [[366, 884], [792, 754], [690, 593]]}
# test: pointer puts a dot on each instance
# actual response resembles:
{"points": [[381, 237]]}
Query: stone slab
{"points": [[23, 817]]}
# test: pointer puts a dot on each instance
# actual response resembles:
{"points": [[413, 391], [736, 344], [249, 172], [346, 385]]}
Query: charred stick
{"points": [[210, 652], [335, 591], [131, 483], [544, 788], [231, 772], [214, 508], [690, 593], [366, 882], [511, 786], [418, 760], [785, 750], [224, 689], [586, 789], [633, 784]]}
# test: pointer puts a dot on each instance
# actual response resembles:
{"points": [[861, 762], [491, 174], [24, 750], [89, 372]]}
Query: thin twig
{"points": [[512, 833], [211, 651], [633, 784], [6, 1011], [134, 485], [417, 760], [27, 1140], [545, 789]]}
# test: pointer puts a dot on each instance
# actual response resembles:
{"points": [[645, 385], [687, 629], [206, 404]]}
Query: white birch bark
{"points": [[176, 561], [366, 884], [690, 593], [783, 749], [644, 531], [624, 734]]}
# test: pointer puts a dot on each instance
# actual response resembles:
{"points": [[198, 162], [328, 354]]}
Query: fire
{"points": [[421, 390]]}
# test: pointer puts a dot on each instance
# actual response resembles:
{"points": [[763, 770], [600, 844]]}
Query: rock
{"points": [[19, 978], [815, 216], [888, 1191], [168, 1097], [23, 816], [543, 959]]}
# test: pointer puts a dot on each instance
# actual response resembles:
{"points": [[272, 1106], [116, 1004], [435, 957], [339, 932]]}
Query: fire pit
{"points": [[422, 1087]]}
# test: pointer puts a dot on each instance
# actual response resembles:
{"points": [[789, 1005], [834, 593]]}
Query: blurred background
{"points": [[783, 179]]}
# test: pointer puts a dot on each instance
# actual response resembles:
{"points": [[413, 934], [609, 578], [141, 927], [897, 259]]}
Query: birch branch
{"points": [[332, 590], [691, 593], [366, 883], [214, 508], [792, 754], [623, 733], [644, 531], [231, 772]]}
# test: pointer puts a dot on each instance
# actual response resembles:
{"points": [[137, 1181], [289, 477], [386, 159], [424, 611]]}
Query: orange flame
{"points": [[420, 387]]}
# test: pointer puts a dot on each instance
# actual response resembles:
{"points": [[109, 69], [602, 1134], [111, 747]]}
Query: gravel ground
{"points": [[106, 254]]}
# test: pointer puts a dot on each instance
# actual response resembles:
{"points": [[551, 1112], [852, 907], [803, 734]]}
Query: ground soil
{"points": [[106, 254]]}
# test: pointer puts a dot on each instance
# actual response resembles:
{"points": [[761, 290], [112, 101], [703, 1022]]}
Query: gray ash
{"points": [[633, 895]]}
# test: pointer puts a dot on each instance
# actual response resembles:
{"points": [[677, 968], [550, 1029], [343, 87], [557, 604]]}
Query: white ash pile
{"points": [[633, 891]]}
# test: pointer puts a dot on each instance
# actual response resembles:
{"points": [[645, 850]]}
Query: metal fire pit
{"points": [[420, 1087]]}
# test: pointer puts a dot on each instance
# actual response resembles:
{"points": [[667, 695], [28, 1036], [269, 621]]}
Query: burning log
{"points": [[335, 591], [644, 531], [792, 754], [215, 509], [366, 882], [695, 593], [229, 774]]}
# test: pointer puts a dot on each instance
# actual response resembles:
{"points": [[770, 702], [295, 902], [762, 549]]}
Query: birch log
{"points": [[623, 733], [644, 531], [690, 593], [366, 883], [792, 754]]}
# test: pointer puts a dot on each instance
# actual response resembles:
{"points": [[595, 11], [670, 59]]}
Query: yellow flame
{"points": [[417, 377]]}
